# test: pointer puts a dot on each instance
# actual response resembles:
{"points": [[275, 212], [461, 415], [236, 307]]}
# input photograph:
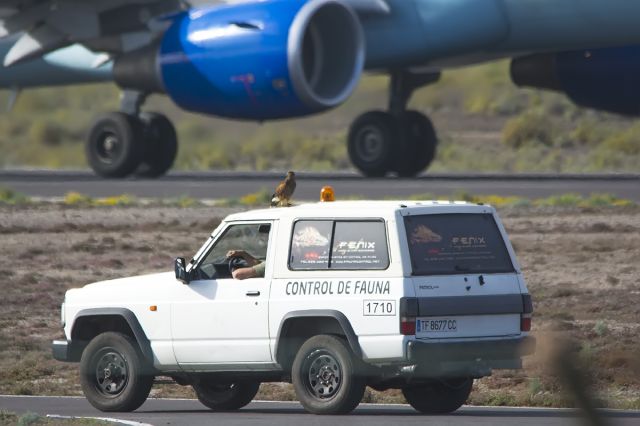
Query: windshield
{"points": [[456, 244]]}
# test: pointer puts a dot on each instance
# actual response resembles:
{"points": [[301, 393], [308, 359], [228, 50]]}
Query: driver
{"points": [[254, 269]]}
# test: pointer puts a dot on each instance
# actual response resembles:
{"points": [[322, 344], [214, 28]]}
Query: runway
{"points": [[214, 185], [190, 412]]}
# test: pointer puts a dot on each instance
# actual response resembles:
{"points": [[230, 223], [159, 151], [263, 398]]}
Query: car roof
{"points": [[360, 209]]}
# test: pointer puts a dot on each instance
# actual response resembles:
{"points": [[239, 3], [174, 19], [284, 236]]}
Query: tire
{"points": [[114, 145], [342, 388], [439, 397], [226, 397], [120, 355], [371, 143], [418, 147], [160, 145]]}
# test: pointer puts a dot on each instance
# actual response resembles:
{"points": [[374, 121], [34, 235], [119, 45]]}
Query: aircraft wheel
{"points": [[114, 147], [418, 148], [160, 145], [370, 143]]}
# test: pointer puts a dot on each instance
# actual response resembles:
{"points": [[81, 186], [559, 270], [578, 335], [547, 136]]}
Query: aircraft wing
{"points": [[110, 26]]}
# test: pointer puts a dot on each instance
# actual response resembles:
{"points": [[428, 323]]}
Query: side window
{"points": [[310, 244], [359, 245], [253, 238], [340, 245]]}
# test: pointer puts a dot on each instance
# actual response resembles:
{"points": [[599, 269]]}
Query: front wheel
{"points": [[226, 396], [114, 145], [371, 143], [439, 397], [112, 373], [324, 375]]}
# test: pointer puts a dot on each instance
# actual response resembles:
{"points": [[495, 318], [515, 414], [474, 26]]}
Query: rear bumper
{"points": [[474, 359]]}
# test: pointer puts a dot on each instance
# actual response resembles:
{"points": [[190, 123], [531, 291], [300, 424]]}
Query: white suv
{"points": [[421, 296]]}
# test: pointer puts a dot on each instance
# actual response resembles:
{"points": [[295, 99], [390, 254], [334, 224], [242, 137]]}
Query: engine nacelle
{"points": [[261, 60], [605, 79]]}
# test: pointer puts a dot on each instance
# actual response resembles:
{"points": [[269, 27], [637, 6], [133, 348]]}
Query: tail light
{"points": [[525, 322], [525, 318], [408, 314], [408, 326]]}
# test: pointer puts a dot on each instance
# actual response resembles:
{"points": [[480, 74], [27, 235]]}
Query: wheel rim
{"points": [[109, 147], [111, 373], [323, 373], [370, 143]]}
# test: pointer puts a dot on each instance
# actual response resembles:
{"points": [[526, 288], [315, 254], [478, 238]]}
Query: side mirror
{"points": [[181, 271]]}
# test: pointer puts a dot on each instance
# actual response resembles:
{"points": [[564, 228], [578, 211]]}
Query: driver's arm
{"points": [[244, 273]]}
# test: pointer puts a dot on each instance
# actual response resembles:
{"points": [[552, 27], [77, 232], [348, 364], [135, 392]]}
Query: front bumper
{"points": [[468, 359], [63, 350]]}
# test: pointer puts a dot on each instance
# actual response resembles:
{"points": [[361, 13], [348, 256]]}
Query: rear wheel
{"points": [[160, 145], [112, 373], [439, 397], [418, 147], [324, 375], [226, 396]]}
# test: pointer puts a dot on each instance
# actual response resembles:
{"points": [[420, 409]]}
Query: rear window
{"points": [[442, 244], [338, 244]]}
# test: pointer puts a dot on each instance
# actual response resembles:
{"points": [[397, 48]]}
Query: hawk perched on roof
{"points": [[284, 191]]}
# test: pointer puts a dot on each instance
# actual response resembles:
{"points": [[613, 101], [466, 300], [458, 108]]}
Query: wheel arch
{"points": [[88, 323], [297, 326]]}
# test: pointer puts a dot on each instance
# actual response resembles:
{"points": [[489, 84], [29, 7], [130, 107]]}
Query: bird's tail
{"points": [[275, 200]]}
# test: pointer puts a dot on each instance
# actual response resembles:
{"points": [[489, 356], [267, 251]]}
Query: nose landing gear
{"points": [[399, 140]]}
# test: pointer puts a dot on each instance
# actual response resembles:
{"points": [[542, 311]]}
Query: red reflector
{"points": [[408, 326], [525, 323]]}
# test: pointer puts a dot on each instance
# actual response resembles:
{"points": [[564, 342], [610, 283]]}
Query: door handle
{"points": [[253, 293]]}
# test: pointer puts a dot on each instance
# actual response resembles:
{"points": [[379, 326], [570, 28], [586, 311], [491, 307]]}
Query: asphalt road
{"points": [[190, 412], [212, 185]]}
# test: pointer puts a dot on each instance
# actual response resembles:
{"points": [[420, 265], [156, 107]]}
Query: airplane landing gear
{"points": [[160, 145], [370, 143], [128, 142], [113, 149], [397, 141]]}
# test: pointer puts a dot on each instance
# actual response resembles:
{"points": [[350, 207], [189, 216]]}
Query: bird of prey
{"points": [[284, 191]]}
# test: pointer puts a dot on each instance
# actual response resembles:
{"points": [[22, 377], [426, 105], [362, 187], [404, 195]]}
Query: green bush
{"points": [[563, 200], [530, 128], [627, 143], [601, 328], [11, 197], [77, 199]]}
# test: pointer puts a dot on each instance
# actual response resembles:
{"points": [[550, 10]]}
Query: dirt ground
{"points": [[582, 267]]}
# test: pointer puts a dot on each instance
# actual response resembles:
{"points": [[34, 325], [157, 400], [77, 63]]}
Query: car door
{"points": [[217, 319]]}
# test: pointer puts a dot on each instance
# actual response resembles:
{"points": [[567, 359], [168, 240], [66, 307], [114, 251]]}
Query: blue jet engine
{"points": [[257, 61], [604, 79]]}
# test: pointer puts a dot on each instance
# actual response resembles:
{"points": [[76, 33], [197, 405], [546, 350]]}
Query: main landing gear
{"points": [[397, 140], [131, 142]]}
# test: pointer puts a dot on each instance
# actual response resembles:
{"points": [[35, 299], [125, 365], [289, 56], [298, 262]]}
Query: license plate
{"points": [[437, 325]]}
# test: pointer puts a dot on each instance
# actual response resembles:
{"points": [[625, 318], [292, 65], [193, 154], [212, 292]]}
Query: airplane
{"points": [[273, 59]]}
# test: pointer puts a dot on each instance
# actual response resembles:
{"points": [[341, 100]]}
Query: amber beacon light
{"points": [[327, 194]]}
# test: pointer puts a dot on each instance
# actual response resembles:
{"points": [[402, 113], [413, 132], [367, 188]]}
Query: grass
{"points": [[262, 198]]}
